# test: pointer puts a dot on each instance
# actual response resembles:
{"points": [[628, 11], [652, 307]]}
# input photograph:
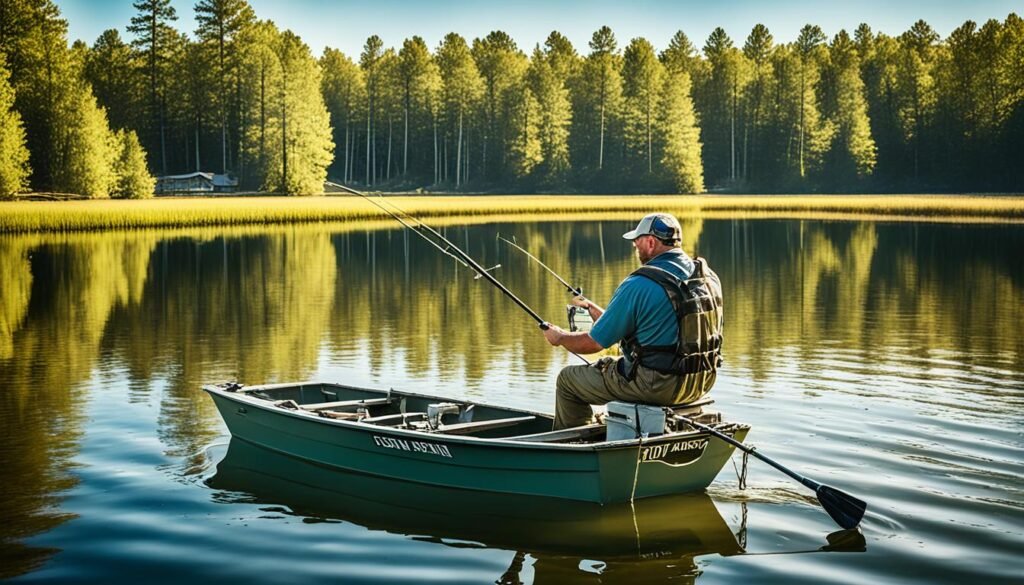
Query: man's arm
{"points": [[578, 342]]}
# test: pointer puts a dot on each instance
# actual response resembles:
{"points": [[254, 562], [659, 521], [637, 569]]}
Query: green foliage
{"points": [[220, 24], [85, 161], [462, 89], [597, 104], [524, 144], [343, 87], [555, 115], [14, 169], [679, 135], [853, 152], [642, 76], [502, 66], [872, 112], [299, 130], [133, 180], [110, 67], [154, 36]]}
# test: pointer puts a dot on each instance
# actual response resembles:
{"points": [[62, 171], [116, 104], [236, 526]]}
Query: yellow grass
{"points": [[61, 216]]}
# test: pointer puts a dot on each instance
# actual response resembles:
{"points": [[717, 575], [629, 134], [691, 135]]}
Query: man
{"points": [[667, 318]]}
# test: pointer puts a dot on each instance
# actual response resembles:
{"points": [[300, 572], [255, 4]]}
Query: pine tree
{"points": [[132, 177], [415, 68], [111, 69], [369, 60], [555, 116], [14, 169], [343, 89], [501, 65], [261, 75], [642, 80], [757, 49], [524, 118], [853, 153], [87, 148], [463, 88], [813, 138], [220, 23], [39, 63], [153, 32], [679, 135], [720, 102], [680, 55], [301, 128], [597, 101]]}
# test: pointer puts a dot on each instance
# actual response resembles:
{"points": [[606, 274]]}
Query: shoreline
{"points": [[200, 212]]}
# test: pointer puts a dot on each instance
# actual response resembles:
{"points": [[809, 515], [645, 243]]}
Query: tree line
{"points": [[860, 112]]}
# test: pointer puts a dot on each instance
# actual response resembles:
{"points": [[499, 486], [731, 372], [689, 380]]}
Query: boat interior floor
{"points": [[429, 414]]}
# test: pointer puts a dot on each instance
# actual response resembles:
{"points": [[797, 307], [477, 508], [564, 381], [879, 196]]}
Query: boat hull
{"points": [[605, 472]]}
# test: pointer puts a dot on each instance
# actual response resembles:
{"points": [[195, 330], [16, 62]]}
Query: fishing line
{"points": [[460, 255], [573, 289]]}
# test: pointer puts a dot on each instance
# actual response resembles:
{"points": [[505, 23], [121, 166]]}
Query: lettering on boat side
{"points": [[412, 446], [675, 454]]}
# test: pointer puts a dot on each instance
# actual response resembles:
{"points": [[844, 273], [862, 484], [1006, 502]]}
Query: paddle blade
{"points": [[845, 509]]}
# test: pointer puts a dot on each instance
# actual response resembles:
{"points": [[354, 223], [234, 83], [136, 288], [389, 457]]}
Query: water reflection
{"points": [[925, 314], [657, 539]]}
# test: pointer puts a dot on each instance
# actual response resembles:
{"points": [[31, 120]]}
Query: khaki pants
{"points": [[599, 383]]}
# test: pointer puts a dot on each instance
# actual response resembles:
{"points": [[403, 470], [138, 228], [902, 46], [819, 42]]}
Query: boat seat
{"points": [[692, 407], [340, 415], [390, 419], [346, 404], [570, 434], [483, 425]]}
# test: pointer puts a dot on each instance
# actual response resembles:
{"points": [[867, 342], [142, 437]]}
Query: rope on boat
{"points": [[636, 475], [741, 473]]}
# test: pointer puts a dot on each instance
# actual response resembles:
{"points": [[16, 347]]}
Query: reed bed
{"points": [[183, 212]]}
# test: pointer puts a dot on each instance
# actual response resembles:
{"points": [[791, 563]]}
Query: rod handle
{"points": [[544, 325]]}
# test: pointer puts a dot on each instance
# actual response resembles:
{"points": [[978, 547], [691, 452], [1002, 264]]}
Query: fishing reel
{"points": [[579, 318]]}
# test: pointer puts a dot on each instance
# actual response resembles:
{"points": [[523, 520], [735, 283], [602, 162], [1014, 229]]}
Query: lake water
{"points": [[886, 359]]}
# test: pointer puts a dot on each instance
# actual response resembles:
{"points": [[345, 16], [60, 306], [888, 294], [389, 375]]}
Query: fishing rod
{"points": [[578, 291], [846, 510], [463, 257], [401, 221]]}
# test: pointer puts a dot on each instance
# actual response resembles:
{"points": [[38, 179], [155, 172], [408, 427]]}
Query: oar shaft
{"points": [[751, 450]]}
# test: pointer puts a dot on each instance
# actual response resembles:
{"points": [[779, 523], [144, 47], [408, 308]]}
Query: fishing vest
{"points": [[697, 303]]}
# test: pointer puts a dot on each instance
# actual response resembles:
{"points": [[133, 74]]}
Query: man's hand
{"points": [[581, 301], [554, 334]]}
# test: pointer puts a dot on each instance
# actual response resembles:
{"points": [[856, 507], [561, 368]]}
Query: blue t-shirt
{"points": [[641, 307]]}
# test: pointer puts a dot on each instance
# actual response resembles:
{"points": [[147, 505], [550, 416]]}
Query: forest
{"points": [[852, 112]]}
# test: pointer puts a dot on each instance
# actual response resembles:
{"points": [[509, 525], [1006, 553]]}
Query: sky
{"points": [[345, 24]]}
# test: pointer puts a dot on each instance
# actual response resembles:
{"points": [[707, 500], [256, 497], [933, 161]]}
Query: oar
{"points": [[845, 509]]}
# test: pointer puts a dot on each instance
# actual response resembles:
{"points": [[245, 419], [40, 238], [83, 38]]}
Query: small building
{"points": [[197, 182]]}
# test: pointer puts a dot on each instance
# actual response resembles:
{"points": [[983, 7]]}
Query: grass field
{"points": [[184, 212]]}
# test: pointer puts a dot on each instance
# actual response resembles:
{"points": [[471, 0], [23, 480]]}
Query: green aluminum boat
{"points": [[439, 442]]}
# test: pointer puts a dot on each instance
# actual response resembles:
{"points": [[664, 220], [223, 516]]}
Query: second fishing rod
{"points": [[450, 249]]}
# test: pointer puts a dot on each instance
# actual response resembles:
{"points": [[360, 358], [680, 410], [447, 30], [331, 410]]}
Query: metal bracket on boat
{"points": [[435, 412], [232, 386]]}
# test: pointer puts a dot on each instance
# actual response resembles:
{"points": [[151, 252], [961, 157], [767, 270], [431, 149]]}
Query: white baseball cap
{"points": [[663, 226]]}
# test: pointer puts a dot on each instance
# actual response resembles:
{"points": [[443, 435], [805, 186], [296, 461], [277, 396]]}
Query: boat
{"points": [[436, 441]]}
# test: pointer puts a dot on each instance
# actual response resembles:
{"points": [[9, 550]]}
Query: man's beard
{"points": [[640, 256]]}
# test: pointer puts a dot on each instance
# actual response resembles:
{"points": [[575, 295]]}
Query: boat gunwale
{"points": [[602, 446]]}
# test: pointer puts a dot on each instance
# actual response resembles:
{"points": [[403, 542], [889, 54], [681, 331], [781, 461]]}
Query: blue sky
{"points": [[345, 24]]}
